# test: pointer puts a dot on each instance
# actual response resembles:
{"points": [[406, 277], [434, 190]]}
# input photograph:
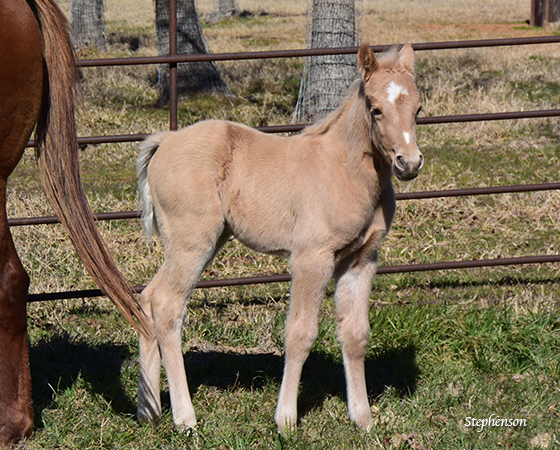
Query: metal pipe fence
{"points": [[173, 59]]}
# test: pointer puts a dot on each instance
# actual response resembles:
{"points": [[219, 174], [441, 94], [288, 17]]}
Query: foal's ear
{"points": [[406, 58], [367, 62]]}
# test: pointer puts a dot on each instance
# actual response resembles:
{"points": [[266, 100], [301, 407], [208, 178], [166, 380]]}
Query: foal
{"points": [[322, 198]]}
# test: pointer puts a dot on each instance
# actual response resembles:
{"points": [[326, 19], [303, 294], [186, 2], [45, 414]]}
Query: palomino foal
{"points": [[322, 198]]}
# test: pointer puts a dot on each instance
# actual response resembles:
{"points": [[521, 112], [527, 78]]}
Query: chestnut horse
{"points": [[38, 81], [323, 198]]}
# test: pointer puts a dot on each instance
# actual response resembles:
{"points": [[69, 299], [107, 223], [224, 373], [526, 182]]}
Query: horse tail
{"points": [[148, 149], [59, 163]]}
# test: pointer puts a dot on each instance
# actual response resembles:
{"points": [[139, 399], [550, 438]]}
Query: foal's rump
{"points": [[177, 174]]}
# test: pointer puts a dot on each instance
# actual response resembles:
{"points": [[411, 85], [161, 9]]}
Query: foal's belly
{"points": [[260, 230]]}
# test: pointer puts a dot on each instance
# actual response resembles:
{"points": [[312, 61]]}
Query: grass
{"points": [[444, 345]]}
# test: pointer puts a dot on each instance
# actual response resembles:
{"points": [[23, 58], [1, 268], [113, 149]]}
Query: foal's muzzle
{"points": [[407, 168]]}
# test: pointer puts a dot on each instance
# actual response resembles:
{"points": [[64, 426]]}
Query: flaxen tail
{"points": [[147, 150], [59, 164]]}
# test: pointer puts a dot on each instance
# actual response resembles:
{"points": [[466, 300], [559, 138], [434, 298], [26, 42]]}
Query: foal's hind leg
{"points": [[149, 403], [311, 275], [167, 302], [166, 296], [352, 306]]}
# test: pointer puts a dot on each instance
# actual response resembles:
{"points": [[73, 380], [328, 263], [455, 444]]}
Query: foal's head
{"points": [[394, 103]]}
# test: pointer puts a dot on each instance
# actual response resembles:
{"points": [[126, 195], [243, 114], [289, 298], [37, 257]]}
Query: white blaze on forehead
{"points": [[406, 137], [394, 90]]}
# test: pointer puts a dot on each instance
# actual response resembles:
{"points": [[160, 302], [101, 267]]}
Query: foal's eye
{"points": [[376, 112], [419, 111]]}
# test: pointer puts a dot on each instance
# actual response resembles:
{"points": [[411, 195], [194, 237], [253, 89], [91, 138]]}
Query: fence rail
{"points": [[173, 59]]}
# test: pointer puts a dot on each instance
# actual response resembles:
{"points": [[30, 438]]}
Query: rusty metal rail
{"points": [[284, 277], [294, 128], [517, 188], [445, 45], [173, 59]]}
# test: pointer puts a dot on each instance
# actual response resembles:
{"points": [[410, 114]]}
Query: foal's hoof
{"points": [[187, 430], [286, 424], [144, 419], [186, 422], [147, 414], [362, 418], [365, 422]]}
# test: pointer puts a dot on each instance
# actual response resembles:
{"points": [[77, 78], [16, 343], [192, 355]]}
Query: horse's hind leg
{"points": [[352, 306], [311, 274], [164, 299], [21, 91], [16, 414]]}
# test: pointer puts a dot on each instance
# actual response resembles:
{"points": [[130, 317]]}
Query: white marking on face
{"points": [[406, 137], [394, 91]]}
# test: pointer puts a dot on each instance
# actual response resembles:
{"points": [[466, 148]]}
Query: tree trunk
{"points": [[223, 10], [327, 78], [87, 23], [195, 77]]}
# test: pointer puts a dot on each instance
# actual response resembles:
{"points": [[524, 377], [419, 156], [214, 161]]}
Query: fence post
{"points": [[537, 16], [173, 66], [544, 12], [554, 11]]}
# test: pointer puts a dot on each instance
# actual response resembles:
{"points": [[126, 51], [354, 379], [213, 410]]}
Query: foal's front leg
{"points": [[352, 306], [311, 274]]}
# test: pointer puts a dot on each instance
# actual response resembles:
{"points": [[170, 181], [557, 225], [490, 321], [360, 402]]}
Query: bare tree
{"points": [[87, 23], [327, 78], [193, 77], [223, 10]]}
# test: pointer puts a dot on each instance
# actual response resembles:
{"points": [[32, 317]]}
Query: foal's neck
{"points": [[354, 127]]}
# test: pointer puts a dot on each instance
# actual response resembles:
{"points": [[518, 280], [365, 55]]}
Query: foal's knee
{"points": [[300, 338], [354, 336]]}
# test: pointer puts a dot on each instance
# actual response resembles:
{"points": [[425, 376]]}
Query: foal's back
{"points": [[255, 183]]}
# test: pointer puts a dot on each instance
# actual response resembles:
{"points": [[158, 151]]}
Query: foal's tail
{"points": [[148, 149], [59, 164]]}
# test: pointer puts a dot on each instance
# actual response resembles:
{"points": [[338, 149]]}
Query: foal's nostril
{"points": [[399, 163], [421, 162]]}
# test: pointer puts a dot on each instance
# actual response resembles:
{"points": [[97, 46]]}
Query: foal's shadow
{"points": [[322, 376], [58, 362]]}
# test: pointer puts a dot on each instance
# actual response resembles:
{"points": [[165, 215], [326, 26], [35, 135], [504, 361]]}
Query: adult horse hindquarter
{"points": [[37, 86], [323, 198]]}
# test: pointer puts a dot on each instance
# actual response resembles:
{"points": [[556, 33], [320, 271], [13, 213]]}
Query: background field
{"points": [[444, 345]]}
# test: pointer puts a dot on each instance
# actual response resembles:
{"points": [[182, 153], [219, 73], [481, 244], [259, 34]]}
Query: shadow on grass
{"points": [[58, 362], [497, 280], [322, 376]]}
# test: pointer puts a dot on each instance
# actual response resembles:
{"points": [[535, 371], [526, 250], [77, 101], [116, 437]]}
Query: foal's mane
{"points": [[386, 61]]}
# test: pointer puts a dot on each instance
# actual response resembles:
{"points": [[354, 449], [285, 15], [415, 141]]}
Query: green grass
{"points": [[444, 346], [429, 366]]}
